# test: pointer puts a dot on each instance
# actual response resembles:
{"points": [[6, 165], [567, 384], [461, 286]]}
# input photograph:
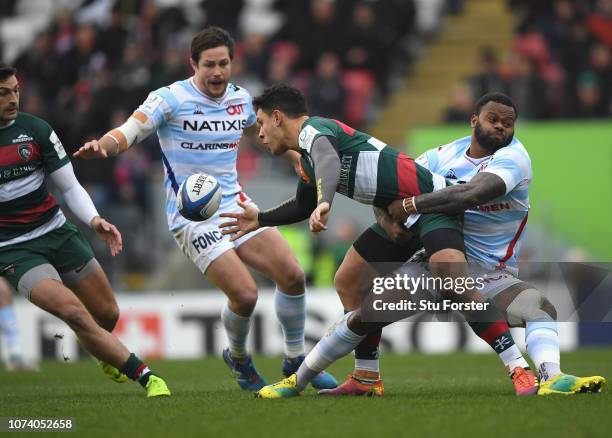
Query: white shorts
{"points": [[203, 242]]}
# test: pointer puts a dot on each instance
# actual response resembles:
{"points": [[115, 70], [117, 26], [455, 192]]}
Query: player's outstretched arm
{"points": [[293, 210], [242, 223], [108, 233], [82, 206], [137, 127], [483, 188]]}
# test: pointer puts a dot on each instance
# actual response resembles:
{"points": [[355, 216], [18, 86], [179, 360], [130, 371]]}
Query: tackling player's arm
{"points": [[483, 188], [326, 163], [137, 127]]}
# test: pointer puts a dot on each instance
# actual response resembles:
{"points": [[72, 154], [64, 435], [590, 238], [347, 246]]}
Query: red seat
{"points": [[360, 88]]}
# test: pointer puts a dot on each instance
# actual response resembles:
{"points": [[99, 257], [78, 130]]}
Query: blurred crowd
{"points": [[559, 66], [92, 62], [96, 61]]}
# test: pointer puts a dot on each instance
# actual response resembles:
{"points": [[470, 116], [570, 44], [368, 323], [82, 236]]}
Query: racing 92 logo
{"points": [[235, 110]]}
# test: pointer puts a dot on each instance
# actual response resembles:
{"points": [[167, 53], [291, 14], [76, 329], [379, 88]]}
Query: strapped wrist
{"points": [[116, 143]]}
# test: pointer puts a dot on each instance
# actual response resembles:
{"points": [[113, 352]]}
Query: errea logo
{"points": [[21, 138]]}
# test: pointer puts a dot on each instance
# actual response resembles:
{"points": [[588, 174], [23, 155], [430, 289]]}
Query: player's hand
{"points": [[243, 223], [91, 150], [108, 233], [396, 211], [318, 218], [394, 229]]}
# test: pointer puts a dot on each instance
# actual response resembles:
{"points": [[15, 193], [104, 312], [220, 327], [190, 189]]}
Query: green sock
{"points": [[136, 369]]}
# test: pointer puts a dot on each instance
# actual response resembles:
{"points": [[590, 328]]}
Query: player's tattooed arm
{"points": [[483, 188]]}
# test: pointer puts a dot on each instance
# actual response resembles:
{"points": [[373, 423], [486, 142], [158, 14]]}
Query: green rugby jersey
{"points": [[371, 171], [29, 148]]}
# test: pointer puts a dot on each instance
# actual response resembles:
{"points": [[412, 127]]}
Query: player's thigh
{"points": [[81, 272], [26, 263], [270, 254], [92, 287], [6, 292], [444, 244], [215, 256], [353, 279], [228, 273], [52, 296]]}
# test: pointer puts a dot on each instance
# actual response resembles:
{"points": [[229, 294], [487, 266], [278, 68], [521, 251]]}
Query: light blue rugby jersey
{"points": [[493, 231], [198, 134]]}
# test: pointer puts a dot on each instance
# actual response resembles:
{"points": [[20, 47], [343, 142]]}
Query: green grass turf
{"points": [[440, 395]]}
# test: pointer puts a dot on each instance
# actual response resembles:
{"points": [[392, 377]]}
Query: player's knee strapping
{"points": [[530, 306]]}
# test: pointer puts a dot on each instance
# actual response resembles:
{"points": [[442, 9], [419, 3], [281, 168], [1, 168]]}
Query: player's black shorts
{"points": [[384, 255], [381, 252]]}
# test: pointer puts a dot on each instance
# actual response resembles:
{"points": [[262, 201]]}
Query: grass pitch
{"points": [[440, 395]]}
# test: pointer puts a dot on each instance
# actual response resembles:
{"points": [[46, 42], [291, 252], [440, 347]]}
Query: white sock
{"points": [[339, 342], [367, 365], [291, 313], [512, 358], [237, 329], [10, 330], [542, 341]]}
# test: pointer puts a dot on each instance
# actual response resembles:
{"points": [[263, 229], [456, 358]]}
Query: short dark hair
{"points": [[495, 97], [210, 38], [282, 97], [6, 71]]}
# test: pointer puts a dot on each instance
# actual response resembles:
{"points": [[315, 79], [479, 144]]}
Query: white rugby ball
{"points": [[198, 197]]}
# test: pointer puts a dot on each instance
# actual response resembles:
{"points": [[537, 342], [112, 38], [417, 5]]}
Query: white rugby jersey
{"points": [[493, 231], [198, 134]]}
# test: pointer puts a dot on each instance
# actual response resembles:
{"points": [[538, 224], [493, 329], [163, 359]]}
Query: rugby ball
{"points": [[198, 197]]}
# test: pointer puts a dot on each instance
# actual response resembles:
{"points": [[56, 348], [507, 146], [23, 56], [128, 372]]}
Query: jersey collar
{"points": [[475, 161], [9, 125]]}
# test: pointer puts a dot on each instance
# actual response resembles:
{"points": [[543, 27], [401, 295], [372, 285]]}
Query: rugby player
{"points": [[497, 171], [44, 256], [199, 122], [338, 158]]}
